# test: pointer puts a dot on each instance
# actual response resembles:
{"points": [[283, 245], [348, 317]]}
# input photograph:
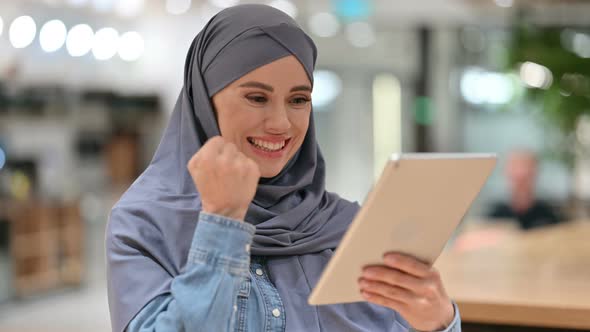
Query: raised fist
{"points": [[225, 178]]}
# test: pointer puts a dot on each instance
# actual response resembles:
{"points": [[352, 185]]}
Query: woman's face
{"points": [[266, 113]]}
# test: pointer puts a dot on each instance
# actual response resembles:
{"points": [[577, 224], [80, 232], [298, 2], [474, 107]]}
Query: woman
{"points": [[230, 226]]}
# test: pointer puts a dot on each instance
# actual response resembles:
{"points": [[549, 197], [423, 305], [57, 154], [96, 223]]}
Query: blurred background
{"points": [[86, 87]]}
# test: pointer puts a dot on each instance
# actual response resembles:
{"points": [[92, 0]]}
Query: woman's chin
{"points": [[269, 174]]}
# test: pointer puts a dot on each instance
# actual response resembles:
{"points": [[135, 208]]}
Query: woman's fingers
{"points": [[385, 290], [407, 264], [215, 145], [229, 149], [225, 178], [213, 148], [384, 301], [392, 277], [412, 288]]}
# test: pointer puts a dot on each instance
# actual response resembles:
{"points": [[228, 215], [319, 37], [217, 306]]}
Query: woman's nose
{"points": [[277, 120]]}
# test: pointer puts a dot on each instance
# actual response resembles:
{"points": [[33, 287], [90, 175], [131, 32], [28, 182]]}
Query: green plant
{"points": [[566, 53]]}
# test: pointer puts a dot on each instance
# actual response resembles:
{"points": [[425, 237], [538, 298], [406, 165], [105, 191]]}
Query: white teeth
{"points": [[268, 145]]}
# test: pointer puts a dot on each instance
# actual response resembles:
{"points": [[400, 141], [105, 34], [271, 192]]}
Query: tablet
{"points": [[414, 207]]}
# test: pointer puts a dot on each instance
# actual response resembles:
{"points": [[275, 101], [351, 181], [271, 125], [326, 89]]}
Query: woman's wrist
{"points": [[235, 214], [446, 325]]}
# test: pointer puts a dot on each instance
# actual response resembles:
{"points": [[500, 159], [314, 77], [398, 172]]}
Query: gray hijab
{"points": [[298, 223]]}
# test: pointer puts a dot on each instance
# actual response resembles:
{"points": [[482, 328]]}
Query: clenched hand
{"points": [[225, 178]]}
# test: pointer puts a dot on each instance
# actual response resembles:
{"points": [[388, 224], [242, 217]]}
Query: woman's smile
{"points": [[269, 147]]}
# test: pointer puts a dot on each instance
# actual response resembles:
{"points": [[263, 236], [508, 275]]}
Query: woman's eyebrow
{"points": [[253, 84], [260, 85], [301, 88]]}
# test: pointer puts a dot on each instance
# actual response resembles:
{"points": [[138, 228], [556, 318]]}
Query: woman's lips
{"points": [[264, 151]]}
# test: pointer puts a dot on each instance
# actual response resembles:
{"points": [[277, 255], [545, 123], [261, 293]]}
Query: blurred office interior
{"points": [[86, 87]]}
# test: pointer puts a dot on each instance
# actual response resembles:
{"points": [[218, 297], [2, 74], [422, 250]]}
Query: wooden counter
{"points": [[538, 278]]}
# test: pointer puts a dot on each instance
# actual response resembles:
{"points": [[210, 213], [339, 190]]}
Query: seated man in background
{"points": [[521, 172]]}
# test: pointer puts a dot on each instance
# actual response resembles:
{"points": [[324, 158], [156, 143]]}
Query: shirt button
{"points": [[247, 248], [235, 308], [276, 312], [259, 272]]}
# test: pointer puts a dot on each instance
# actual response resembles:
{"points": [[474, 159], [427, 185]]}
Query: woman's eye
{"points": [[300, 100], [257, 99]]}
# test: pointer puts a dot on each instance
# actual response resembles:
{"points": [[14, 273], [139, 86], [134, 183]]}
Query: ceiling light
{"points": [[79, 40], [53, 35], [22, 31], [131, 46], [106, 43]]}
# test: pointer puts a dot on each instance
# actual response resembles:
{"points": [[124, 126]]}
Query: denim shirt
{"points": [[222, 287]]}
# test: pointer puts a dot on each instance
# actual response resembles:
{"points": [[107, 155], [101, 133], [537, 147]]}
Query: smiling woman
{"points": [[230, 226], [265, 113]]}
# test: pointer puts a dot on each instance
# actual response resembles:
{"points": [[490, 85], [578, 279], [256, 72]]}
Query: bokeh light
{"points": [[2, 158], [106, 43], [352, 10], [20, 186], [360, 34], [535, 75], [482, 87], [22, 31], [53, 35], [79, 40], [131, 46], [581, 45], [324, 24], [327, 85]]}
